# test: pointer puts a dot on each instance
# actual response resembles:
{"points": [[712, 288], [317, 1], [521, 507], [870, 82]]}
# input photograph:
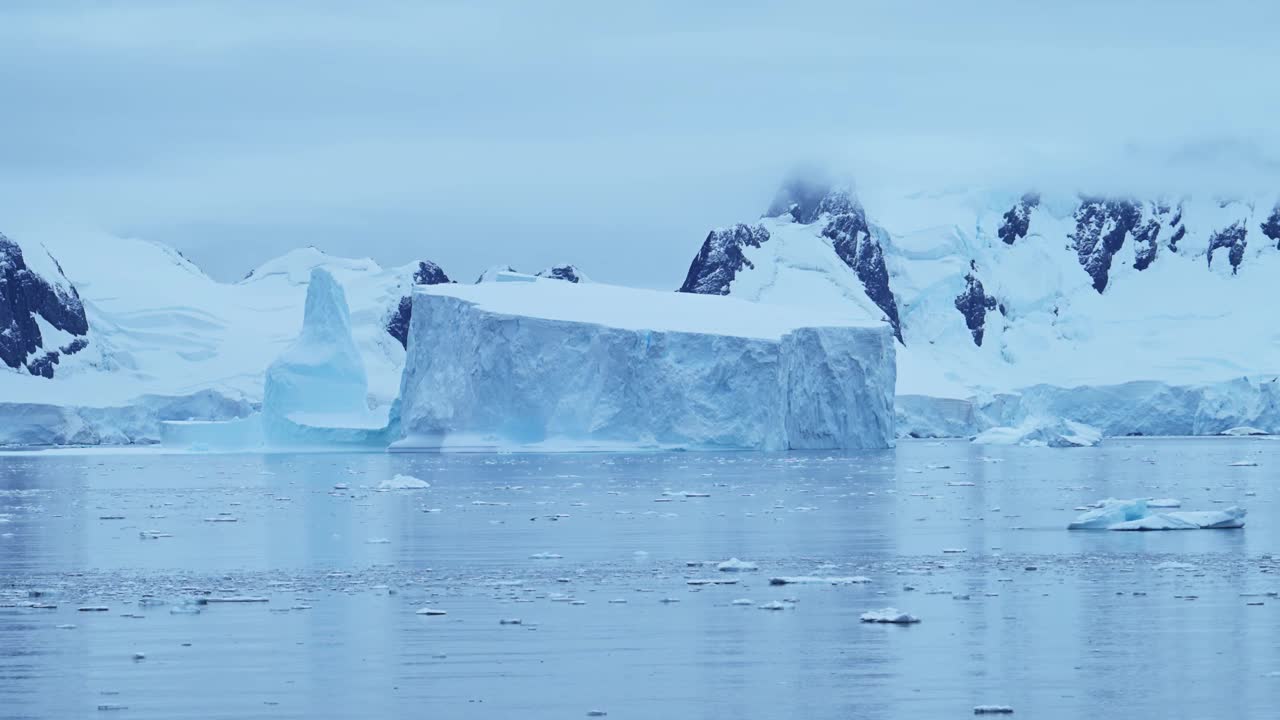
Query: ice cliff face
{"points": [[427, 273], [552, 365], [41, 316], [321, 375]]}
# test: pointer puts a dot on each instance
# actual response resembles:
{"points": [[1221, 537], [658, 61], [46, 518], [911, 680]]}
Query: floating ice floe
{"points": [[774, 605], [736, 565], [431, 611], [992, 710], [1164, 503], [1113, 514], [403, 482], [818, 580], [891, 616], [1243, 431], [1243, 463], [1042, 432]]}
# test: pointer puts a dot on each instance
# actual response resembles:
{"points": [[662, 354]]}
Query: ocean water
{"points": [[594, 555]]}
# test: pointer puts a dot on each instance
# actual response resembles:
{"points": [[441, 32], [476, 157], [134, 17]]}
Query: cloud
{"points": [[612, 135]]}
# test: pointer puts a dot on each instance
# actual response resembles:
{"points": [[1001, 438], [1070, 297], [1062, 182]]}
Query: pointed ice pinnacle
{"points": [[322, 371]]}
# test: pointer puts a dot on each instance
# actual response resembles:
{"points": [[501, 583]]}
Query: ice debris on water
{"points": [[774, 605], [1243, 463], [403, 482], [992, 710], [818, 580], [892, 616], [431, 611]]}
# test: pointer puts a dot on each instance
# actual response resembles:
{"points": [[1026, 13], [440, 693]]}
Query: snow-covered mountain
{"points": [[992, 291], [153, 331]]}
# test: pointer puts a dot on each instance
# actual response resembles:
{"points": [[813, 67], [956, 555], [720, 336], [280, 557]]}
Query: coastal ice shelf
{"points": [[545, 365]]}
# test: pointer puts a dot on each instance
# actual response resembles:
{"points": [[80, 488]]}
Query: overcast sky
{"points": [[608, 134]]}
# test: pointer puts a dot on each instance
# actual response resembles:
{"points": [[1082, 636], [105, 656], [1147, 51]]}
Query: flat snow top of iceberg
{"points": [[636, 309]]}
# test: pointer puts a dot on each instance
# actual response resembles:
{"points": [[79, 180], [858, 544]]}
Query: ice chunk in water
{"points": [[403, 482], [890, 615], [736, 565]]}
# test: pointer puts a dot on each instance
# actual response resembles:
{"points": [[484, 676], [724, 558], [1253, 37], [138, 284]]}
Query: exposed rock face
{"points": [[428, 273], [974, 304], [1231, 239], [1271, 226], [569, 273], [860, 249], [25, 296], [1018, 220], [1101, 226], [721, 258]]}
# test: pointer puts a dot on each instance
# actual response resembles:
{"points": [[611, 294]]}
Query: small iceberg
{"points": [[1243, 431], [892, 616], [1135, 515], [736, 565], [403, 482]]}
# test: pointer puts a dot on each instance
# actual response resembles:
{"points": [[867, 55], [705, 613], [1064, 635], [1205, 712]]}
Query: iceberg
{"points": [[1133, 515], [551, 365], [317, 390]]}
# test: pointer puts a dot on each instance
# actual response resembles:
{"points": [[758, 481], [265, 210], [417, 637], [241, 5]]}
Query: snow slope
{"points": [[546, 364]]}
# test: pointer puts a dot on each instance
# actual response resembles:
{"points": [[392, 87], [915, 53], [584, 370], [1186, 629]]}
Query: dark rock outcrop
{"points": [[721, 257], [974, 304], [1231, 239], [1017, 221], [428, 273], [853, 240], [1271, 226], [569, 273], [24, 296], [1101, 227]]}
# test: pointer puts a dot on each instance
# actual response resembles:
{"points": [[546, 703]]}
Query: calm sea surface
{"points": [[594, 554]]}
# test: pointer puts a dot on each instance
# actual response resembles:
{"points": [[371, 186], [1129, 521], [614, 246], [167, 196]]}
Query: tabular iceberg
{"points": [[554, 365]]}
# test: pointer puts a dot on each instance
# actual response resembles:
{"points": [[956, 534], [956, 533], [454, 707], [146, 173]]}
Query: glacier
{"points": [[552, 365]]}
